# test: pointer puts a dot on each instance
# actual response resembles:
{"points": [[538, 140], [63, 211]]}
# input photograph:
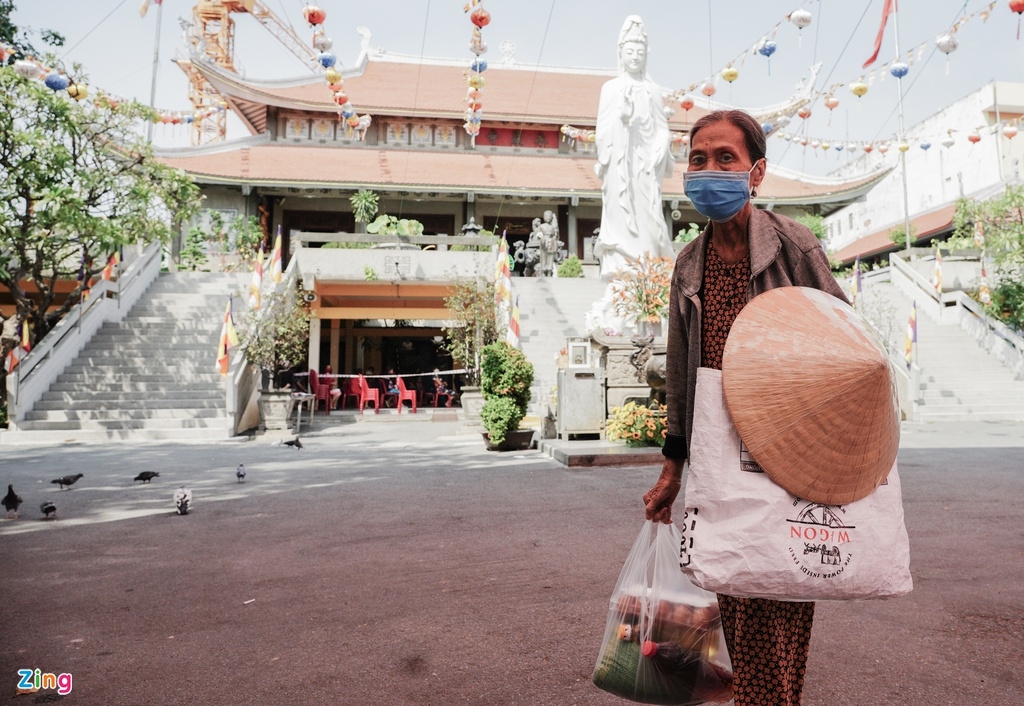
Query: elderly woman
{"points": [[741, 253]]}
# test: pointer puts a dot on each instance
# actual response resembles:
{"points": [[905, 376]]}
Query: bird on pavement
{"points": [[48, 509], [146, 476], [67, 480], [240, 472], [182, 500], [294, 442], [11, 502]]}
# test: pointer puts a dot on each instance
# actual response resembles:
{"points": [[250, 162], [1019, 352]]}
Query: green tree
{"points": [[898, 235], [473, 324], [276, 336], [11, 34], [78, 183], [364, 205], [815, 223], [193, 253]]}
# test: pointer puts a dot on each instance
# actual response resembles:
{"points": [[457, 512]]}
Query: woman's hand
{"points": [[658, 500]]}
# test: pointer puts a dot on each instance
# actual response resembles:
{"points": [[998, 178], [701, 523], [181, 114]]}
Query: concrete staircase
{"points": [[960, 380], [550, 311], [151, 376]]}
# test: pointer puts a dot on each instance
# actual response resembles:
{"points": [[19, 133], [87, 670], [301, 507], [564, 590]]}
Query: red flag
{"points": [[887, 9], [108, 271]]}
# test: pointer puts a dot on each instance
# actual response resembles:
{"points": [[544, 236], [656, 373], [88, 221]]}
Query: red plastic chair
{"points": [[320, 392], [404, 394], [368, 394], [353, 390]]}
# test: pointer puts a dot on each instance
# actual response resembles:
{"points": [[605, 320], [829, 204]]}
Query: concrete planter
{"points": [[276, 409], [518, 440]]}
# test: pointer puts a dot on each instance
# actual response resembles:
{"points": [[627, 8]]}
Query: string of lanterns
{"points": [[56, 80], [354, 123], [766, 46], [474, 76]]}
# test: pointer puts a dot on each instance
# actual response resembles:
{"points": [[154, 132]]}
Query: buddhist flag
{"points": [[108, 271], [513, 326], [979, 234], [256, 287], [911, 339], [984, 295], [145, 6], [228, 340], [887, 9], [275, 258], [856, 284], [26, 333], [502, 281], [12, 360], [937, 279], [15, 355]]}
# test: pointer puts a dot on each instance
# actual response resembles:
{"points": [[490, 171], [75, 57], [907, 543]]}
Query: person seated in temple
{"points": [[442, 389], [391, 382]]}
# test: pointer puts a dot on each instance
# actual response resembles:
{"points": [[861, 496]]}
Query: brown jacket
{"points": [[783, 253]]}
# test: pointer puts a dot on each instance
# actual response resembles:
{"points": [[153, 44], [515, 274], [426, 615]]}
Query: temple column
{"points": [[314, 344]]}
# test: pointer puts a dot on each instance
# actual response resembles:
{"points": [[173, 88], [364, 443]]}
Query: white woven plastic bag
{"points": [[745, 536]]}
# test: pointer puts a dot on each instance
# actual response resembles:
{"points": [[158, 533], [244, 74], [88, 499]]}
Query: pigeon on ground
{"points": [[146, 476], [182, 500], [11, 502], [240, 472], [48, 509], [294, 442], [67, 480]]}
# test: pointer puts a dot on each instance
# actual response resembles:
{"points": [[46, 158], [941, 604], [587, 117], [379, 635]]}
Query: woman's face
{"points": [[719, 147], [634, 57]]}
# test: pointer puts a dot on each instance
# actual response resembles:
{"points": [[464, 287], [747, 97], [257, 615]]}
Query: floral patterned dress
{"points": [[768, 640]]}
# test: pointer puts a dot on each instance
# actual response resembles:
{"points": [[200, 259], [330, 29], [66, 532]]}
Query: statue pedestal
{"points": [[619, 358]]}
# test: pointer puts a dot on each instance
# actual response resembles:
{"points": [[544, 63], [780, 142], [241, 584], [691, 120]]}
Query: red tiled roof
{"points": [[438, 91], [925, 225], [357, 167]]}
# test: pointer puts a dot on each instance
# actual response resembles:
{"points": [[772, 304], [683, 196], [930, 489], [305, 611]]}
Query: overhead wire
{"points": [[86, 35], [416, 97]]}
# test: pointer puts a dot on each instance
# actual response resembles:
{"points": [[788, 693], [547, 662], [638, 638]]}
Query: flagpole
{"points": [[903, 137], [156, 65]]}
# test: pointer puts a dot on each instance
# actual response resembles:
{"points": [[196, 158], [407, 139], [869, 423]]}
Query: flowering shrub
{"points": [[640, 291], [638, 425]]}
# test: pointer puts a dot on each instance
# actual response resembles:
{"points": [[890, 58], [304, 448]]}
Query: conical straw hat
{"points": [[811, 394]]}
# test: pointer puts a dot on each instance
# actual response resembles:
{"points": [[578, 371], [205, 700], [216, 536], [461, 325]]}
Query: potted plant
{"points": [[505, 382], [638, 425], [276, 338]]}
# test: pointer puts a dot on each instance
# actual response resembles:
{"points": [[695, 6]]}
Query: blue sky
{"points": [[689, 40]]}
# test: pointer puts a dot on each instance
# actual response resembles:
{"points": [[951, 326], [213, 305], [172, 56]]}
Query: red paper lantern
{"points": [[340, 98], [1018, 7], [686, 103], [974, 138], [314, 15], [480, 17], [804, 113], [831, 102]]}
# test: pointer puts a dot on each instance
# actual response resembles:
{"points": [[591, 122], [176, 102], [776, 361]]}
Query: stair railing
{"points": [[107, 301]]}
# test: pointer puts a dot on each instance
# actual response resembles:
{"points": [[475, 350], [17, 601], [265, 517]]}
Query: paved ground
{"points": [[399, 563]]}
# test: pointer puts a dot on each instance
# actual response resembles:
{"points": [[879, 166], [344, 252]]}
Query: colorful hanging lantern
{"points": [[314, 15], [340, 98], [903, 147], [332, 75], [831, 102], [476, 43], [868, 148], [804, 113], [352, 120], [1009, 131], [782, 120], [852, 146], [78, 91], [708, 89], [947, 43], [767, 128], [839, 147], [858, 88], [327, 59], [56, 82], [948, 141], [730, 74], [1018, 7], [480, 17], [825, 146], [686, 103], [767, 48], [974, 138], [925, 145], [26, 69], [478, 65], [322, 42], [899, 69], [883, 147], [475, 80], [801, 18]]}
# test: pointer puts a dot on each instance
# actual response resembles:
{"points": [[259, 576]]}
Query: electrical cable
{"points": [[86, 36]]}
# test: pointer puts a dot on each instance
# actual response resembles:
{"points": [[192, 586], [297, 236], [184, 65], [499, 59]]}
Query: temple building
{"points": [[302, 163]]}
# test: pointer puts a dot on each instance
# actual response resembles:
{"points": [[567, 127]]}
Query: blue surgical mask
{"points": [[717, 195]]}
